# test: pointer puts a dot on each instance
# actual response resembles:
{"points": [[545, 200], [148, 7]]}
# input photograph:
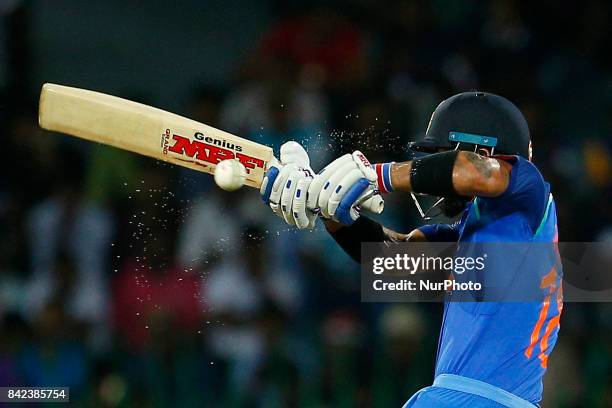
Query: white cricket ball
{"points": [[230, 174]]}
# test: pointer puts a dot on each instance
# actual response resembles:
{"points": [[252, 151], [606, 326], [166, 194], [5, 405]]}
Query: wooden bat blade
{"points": [[147, 130]]}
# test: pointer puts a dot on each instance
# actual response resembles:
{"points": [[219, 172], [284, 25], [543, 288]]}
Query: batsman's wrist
{"points": [[383, 177]]}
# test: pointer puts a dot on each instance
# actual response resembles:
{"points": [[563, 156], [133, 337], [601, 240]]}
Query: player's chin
{"points": [[453, 206]]}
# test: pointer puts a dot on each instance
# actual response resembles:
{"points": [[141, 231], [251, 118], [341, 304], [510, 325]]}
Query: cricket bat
{"points": [[153, 132]]}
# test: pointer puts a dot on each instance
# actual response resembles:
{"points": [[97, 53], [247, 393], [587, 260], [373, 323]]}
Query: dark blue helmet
{"points": [[477, 118]]}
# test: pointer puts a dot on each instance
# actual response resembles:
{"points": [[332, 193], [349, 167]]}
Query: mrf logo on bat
{"points": [[208, 149]]}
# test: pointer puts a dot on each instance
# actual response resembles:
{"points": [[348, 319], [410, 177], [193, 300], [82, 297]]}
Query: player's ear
{"points": [[483, 152]]}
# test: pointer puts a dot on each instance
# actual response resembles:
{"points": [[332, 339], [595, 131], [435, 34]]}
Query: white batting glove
{"points": [[285, 186], [339, 189]]}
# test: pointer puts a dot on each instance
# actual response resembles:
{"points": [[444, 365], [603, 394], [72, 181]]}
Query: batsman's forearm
{"points": [[350, 237], [452, 173], [438, 174], [363, 230], [400, 176]]}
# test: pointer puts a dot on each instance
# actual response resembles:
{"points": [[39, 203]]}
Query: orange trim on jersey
{"points": [[548, 281], [535, 334], [552, 324]]}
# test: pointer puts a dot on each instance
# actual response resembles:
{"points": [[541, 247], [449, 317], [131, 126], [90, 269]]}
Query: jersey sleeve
{"points": [[440, 232], [527, 192]]}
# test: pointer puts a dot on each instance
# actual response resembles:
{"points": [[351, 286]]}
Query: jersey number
{"points": [[549, 281]]}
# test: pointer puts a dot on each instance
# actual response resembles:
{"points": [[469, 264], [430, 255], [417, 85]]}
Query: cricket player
{"points": [[477, 160]]}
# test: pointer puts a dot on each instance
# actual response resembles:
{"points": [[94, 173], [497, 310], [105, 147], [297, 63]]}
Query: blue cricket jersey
{"points": [[505, 343]]}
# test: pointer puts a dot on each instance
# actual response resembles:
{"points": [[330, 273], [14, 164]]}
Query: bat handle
{"points": [[372, 202]]}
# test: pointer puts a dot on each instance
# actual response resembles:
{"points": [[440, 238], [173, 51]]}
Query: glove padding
{"points": [[285, 186], [340, 187]]}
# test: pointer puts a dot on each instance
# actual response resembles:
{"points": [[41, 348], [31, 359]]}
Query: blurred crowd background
{"points": [[137, 283]]}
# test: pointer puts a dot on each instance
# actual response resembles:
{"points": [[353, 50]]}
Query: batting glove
{"points": [[340, 190], [285, 186]]}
